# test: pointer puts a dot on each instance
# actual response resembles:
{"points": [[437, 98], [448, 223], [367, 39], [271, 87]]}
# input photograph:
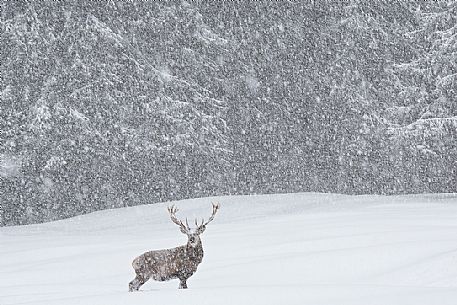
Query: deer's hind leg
{"points": [[138, 281]]}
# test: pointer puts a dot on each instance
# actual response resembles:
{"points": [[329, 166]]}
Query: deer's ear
{"points": [[183, 230]]}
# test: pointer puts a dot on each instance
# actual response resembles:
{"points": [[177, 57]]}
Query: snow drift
{"points": [[270, 249]]}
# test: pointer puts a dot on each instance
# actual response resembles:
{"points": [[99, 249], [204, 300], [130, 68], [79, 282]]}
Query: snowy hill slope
{"points": [[271, 249]]}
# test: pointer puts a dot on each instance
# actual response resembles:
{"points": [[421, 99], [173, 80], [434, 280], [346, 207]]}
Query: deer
{"points": [[176, 263]]}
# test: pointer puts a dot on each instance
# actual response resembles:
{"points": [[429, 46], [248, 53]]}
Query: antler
{"points": [[184, 228], [215, 209]]}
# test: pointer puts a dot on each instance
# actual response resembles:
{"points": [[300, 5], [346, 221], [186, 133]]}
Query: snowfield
{"points": [[269, 249]]}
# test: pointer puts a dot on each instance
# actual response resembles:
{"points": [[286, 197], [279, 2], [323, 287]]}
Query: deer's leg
{"points": [[137, 282], [182, 283]]}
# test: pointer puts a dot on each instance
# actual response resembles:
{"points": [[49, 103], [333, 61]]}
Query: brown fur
{"points": [[163, 265], [176, 263]]}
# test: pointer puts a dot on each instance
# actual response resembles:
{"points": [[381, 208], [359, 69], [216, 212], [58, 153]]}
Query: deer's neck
{"points": [[195, 251]]}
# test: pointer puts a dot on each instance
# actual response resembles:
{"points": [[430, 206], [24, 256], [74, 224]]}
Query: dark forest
{"points": [[113, 104]]}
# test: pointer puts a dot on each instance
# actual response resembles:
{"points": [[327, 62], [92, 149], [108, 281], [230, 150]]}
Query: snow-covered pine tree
{"points": [[423, 124], [97, 118]]}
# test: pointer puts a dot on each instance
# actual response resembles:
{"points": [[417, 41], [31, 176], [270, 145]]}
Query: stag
{"points": [[177, 263]]}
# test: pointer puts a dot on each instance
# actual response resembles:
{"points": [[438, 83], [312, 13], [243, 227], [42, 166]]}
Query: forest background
{"points": [[113, 104]]}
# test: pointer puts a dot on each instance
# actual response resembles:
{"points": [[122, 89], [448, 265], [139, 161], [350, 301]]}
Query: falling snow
{"points": [[113, 104]]}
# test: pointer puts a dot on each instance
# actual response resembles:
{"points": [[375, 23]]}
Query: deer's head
{"points": [[193, 235]]}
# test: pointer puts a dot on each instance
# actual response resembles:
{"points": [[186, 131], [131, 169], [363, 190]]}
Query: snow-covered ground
{"points": [[272, 249]]}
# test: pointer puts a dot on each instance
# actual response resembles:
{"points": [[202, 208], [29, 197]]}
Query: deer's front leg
{"points": [[182, 284]]}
